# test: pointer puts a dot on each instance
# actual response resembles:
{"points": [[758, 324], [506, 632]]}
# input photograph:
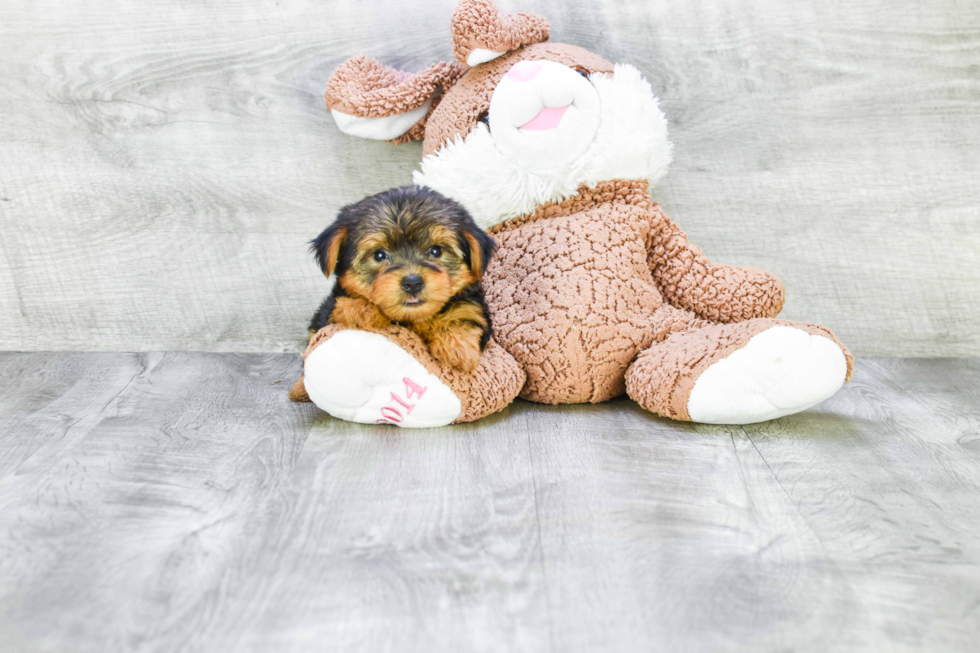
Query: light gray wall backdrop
{"points": [[163, 164]]}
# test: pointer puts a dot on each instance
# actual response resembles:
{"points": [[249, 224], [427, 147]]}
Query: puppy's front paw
{"points": [[358, 314], [456, 348]]}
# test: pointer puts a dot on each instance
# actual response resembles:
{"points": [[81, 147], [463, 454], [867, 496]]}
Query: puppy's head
{"points": [[406, 250]]}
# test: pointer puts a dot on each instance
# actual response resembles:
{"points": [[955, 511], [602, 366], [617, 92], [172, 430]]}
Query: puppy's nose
{"points": [[412, 283]]}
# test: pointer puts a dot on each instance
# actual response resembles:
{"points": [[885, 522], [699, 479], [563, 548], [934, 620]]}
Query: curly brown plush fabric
{"points": [[478, 24], [572, 280], [367, 88], [720, 293], [459, 110], [491, 387], [574, 300], [663, 376]]}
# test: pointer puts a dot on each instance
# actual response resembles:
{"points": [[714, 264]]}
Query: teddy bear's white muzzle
{"points": [[543, 115]]}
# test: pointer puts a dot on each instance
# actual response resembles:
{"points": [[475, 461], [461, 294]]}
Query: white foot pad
{"points": [[780, 371], [363, 377]]}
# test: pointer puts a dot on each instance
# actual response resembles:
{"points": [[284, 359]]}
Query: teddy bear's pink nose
{"points": [[524, 71]]}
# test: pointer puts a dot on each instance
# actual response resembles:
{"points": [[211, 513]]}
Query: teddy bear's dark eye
{"points": [[435, 251], [380, 255]]}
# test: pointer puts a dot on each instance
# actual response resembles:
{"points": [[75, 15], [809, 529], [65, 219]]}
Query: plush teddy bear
{"points": [[593, 291]]}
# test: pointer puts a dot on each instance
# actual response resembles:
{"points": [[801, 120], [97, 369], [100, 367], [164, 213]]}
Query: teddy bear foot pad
{"points": [[779, 372], [364, 377]]}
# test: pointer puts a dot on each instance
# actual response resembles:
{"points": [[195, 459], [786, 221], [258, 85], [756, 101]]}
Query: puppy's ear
{"points": [[327, 246], [479, 249]]}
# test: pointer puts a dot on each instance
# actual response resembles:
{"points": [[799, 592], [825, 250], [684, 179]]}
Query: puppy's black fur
{"points": [[322, 316]]}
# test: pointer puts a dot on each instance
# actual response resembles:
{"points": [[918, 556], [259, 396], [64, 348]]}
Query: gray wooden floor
{"points": [[179, 502]]}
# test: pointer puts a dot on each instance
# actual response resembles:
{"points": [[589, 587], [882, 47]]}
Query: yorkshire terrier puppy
{"points": [[412, 257]]}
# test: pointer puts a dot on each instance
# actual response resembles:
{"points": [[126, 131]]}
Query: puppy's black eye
{"points": [[380, 255], [583, 73], [484, 118], [435, 251]]}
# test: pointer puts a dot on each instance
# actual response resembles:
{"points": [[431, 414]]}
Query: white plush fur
{"points": [[631, 143], [517, 101], [385, 128], [780, 371], [356, 376], [482, 55]]}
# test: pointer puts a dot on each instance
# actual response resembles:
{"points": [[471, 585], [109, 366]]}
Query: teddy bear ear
{"points": [[481, 33], [371, 100]]}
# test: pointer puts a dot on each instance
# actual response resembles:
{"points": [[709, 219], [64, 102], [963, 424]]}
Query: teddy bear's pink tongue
{"points": [[547, 118]]}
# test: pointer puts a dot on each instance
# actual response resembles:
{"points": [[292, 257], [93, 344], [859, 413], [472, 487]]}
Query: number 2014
{"points": [[391, 414]]}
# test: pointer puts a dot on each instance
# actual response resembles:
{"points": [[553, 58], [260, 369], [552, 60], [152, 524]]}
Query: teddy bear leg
{"points": [[739, 373], [389, 376]]}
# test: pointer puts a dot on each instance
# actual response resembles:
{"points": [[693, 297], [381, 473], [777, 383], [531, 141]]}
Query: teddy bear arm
{"points": [[389, 375], [688, 279]]}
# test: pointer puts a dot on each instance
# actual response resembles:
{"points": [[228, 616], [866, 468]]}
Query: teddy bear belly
{"points": [[572, 299]]}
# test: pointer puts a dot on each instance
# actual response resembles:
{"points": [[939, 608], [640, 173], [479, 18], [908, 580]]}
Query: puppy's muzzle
{"points": [[412, 284]]}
